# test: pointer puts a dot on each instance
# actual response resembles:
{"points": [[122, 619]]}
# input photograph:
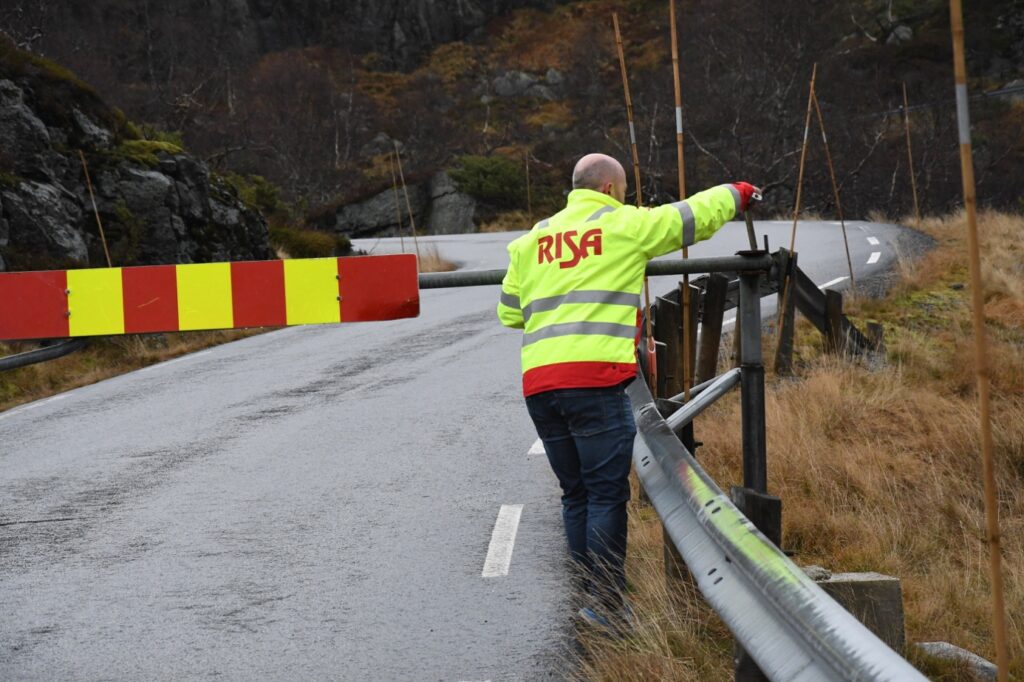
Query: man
{"points": [[573, 285]]}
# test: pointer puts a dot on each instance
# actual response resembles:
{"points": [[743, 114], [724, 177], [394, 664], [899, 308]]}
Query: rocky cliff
{"points": [[156, 203]]}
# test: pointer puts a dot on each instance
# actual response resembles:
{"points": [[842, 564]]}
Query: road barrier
{"points": [[168, 298]]}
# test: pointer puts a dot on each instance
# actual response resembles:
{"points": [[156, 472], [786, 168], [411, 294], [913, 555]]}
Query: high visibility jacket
{"points": [[574, 282]]}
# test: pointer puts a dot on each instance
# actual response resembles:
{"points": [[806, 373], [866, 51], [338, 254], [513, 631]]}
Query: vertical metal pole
{"points": [[755, 468], [981, 361]]}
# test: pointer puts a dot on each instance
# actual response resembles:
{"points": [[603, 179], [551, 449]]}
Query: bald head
{"points": [[600, 173]]}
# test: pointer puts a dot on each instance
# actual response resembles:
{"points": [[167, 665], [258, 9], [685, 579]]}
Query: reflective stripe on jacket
{"points": [[574, 282]]}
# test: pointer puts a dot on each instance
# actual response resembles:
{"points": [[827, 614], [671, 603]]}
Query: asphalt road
{"points": [[315, 502]]}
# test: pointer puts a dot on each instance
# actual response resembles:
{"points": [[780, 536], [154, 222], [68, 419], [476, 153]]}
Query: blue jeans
{"points": [[588, 436]]}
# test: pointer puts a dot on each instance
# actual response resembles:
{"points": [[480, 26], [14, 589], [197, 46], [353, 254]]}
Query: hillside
{"points": [[155, 203], [313, 94]]}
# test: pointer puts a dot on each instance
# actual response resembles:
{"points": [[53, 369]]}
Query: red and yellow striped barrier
{"points": [[167, 298]]}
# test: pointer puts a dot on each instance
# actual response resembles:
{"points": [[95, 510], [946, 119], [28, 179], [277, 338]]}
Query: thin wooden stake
{"points": [[799, 189], [408, 206], [980, 343], [96, 212], [835, 187], [398, 205], [910, 151], [687, 370], [651, 348], [529, 198], [803, 158]]}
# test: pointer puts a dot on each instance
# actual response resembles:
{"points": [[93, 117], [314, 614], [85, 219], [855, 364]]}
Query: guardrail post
{"points": [[711, 327], [690, 344], [784, 350], [669, 331], [763, 510], [835, 338], [748, 319]]}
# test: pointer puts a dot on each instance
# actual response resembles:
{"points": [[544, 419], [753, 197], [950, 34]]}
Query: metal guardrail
{"points": [[785, 623], [791, 628], [42, 354]]}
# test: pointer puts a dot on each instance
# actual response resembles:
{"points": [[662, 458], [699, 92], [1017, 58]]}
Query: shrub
{"points": [[493, 180], [299, 243], [257, 192]]}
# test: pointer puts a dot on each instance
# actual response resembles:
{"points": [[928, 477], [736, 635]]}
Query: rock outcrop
{"points": [[156, 203], [438, 207]]}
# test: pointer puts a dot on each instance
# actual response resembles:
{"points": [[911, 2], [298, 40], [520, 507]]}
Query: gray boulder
{"points": [[437, 206], [451, 211], [522, 84], [377, 215]]}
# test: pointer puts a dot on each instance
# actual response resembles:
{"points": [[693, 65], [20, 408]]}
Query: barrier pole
{"points": [[981, 364]]}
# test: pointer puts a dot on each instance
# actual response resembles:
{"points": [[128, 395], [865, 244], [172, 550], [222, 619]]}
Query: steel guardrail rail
{"points": [[787, 623], [691, 266], [42, 354]]}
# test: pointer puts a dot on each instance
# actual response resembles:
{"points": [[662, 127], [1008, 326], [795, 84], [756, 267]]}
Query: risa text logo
{"points": [[561, 242]]}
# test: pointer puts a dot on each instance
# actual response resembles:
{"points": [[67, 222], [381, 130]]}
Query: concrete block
{"points": [[874, 599]]}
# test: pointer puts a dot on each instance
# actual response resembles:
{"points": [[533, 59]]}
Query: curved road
{"points": [[344, 502]]}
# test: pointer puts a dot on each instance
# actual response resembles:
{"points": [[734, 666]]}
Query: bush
{"points": [[299, 243], [257, 192], [493, 180]]}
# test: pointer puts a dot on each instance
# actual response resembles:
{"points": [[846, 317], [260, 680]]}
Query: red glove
{"points": [[747, 192]]}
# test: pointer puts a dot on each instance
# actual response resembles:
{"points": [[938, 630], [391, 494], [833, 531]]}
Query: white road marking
{"points": [[875, 255], [873, 241], [837, 280], [536, 449], [503, 540]]}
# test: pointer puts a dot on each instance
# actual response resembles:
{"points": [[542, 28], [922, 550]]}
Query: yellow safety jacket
{"points": [[574, 282]]}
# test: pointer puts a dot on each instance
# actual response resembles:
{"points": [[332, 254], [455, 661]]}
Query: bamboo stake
{"points": [[408, 206], [799, 189], [529, 198], [835, 187], [398, 205], [803, 159], [96, 212], [687, 370], [910, 152], [651, 348], [980, 342]]}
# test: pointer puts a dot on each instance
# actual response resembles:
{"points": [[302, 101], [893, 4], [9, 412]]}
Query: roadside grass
{"points": [[878, 468], [431, 260], [510, 221]]}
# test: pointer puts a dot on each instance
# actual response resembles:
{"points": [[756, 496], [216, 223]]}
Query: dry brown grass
{"points": [[102, 359], [878, 468], [431, 260], [510, 221]]}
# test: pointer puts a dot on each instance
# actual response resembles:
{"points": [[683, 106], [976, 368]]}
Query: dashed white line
{"points": [[873, 241], [837, 280], [503, 540], [536, 449], [873, 258]]}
